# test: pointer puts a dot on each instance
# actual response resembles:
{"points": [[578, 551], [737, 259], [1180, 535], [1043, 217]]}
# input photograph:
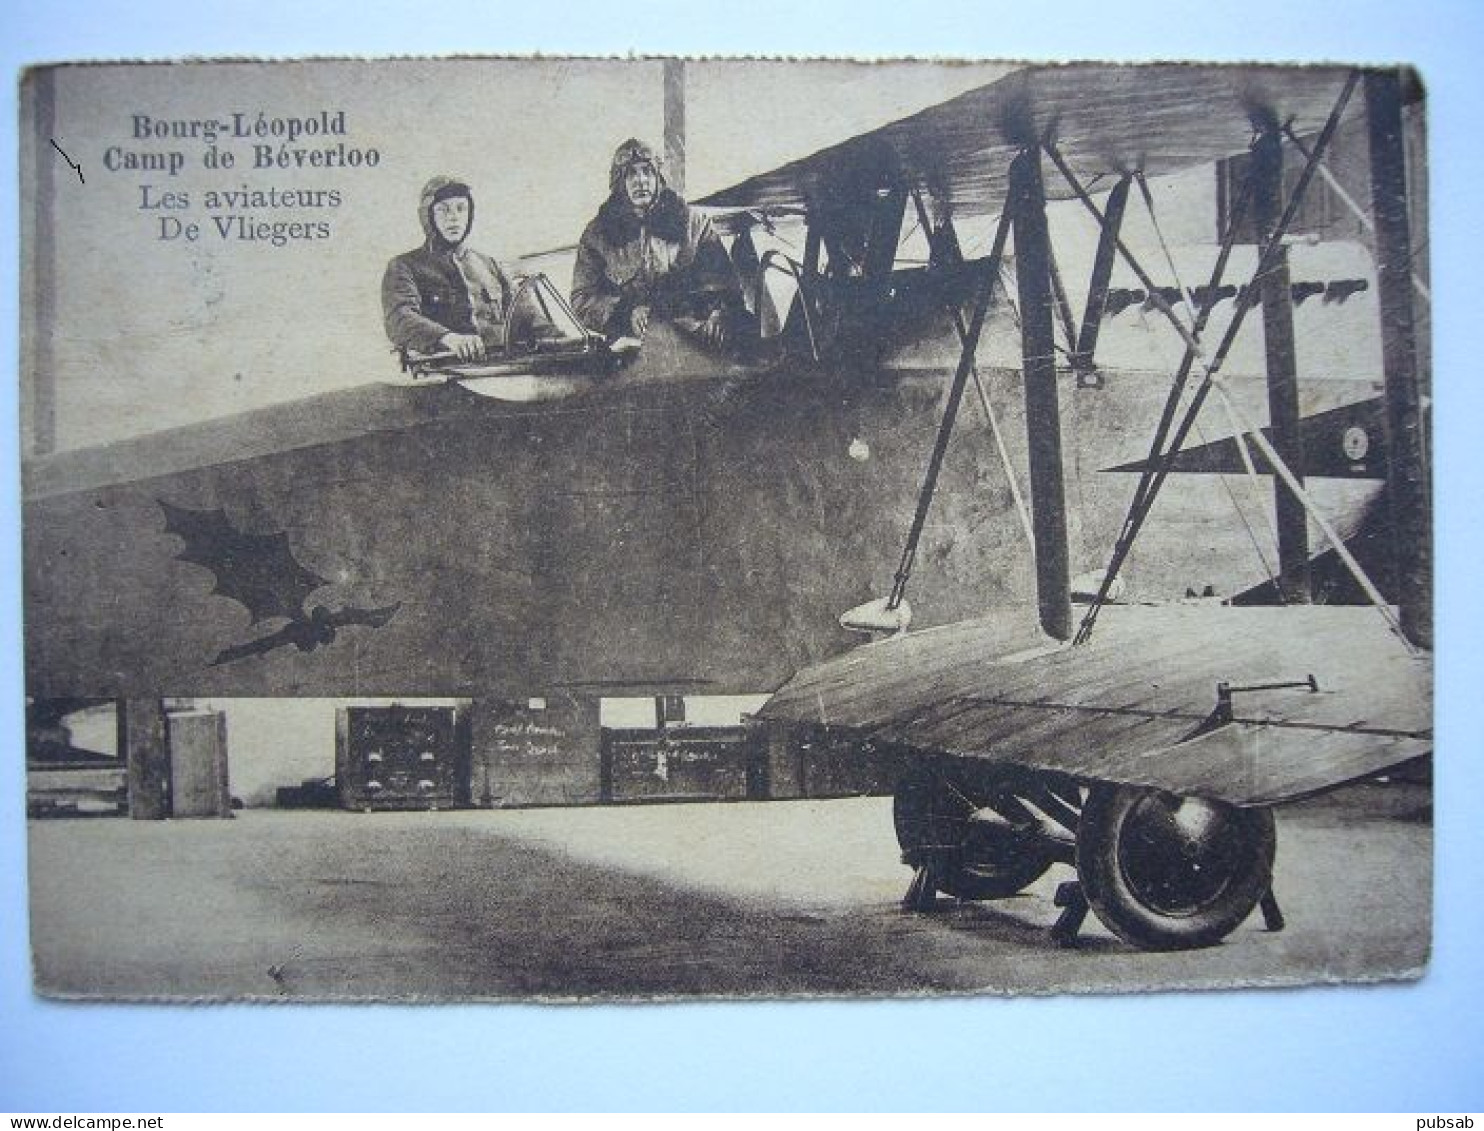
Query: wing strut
{"points": [[990, 272], [1188, 297], [1281, 357], [1163, 458], [1033, 274], [945, 248], [1097, 290], [1063, 306], [1408, 477]]}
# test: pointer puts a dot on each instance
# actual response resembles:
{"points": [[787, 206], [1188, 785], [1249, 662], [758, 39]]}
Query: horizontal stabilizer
{"points": [[1348, 442]]}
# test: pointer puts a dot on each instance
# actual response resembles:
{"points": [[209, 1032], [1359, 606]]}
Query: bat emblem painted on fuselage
{"points": [[260, 572]]}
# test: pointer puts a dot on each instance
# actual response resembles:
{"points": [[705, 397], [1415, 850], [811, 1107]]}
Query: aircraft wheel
{"points": [[941, 815], [1169, 873]]}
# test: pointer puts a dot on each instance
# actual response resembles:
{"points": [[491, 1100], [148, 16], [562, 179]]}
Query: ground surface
{"points": [[772, 899]]}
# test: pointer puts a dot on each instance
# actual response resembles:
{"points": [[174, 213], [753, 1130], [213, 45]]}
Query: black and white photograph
{"points": [[585, 529]]}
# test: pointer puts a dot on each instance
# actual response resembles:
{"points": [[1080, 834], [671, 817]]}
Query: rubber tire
{"points": [[933, 807], [1113, 836]]}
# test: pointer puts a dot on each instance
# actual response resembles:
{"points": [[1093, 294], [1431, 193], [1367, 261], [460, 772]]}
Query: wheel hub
{"points": [[1180, 854]]}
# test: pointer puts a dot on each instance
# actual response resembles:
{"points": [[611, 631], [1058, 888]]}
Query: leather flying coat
{"points": [[670, 259], [439, 288]]}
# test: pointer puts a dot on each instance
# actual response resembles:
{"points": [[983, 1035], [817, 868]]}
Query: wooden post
{"points": [[605, 766], [1282, 366], [1408, 477], [811, 249], [755, 743], [784, 768], [1042, 412], [146, 744], [675, 124]]}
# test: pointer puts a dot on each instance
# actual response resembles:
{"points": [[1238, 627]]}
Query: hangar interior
{"points": [[203, 757]]}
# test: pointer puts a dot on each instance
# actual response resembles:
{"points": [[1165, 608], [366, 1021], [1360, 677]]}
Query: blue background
{"points": [[1375, 1048]]}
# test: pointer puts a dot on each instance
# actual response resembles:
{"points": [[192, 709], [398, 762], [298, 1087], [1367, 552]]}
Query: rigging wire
{"points": [[1255, 483], [1064, 353], [1241, 442], [1159, 234], [985, 295], [1140, 510], [989, 413], [1349, 202], [1151, 479], [999, 442], [1282, 470]]}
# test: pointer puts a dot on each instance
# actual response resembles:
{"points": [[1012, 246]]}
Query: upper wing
{"points": [[1105, 119]]}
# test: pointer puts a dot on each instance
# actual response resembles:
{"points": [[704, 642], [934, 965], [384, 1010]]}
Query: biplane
{"points": [[678, 521], [1146, 746]]}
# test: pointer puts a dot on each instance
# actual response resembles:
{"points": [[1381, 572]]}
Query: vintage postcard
{"points": [[590, 528]]}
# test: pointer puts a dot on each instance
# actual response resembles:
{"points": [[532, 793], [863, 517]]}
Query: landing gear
{"points": [[970, 833], [1162, 872], [1169, 873]]}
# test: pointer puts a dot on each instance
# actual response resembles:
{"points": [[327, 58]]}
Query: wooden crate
{"points": [[198, 764], [400, 758]]}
